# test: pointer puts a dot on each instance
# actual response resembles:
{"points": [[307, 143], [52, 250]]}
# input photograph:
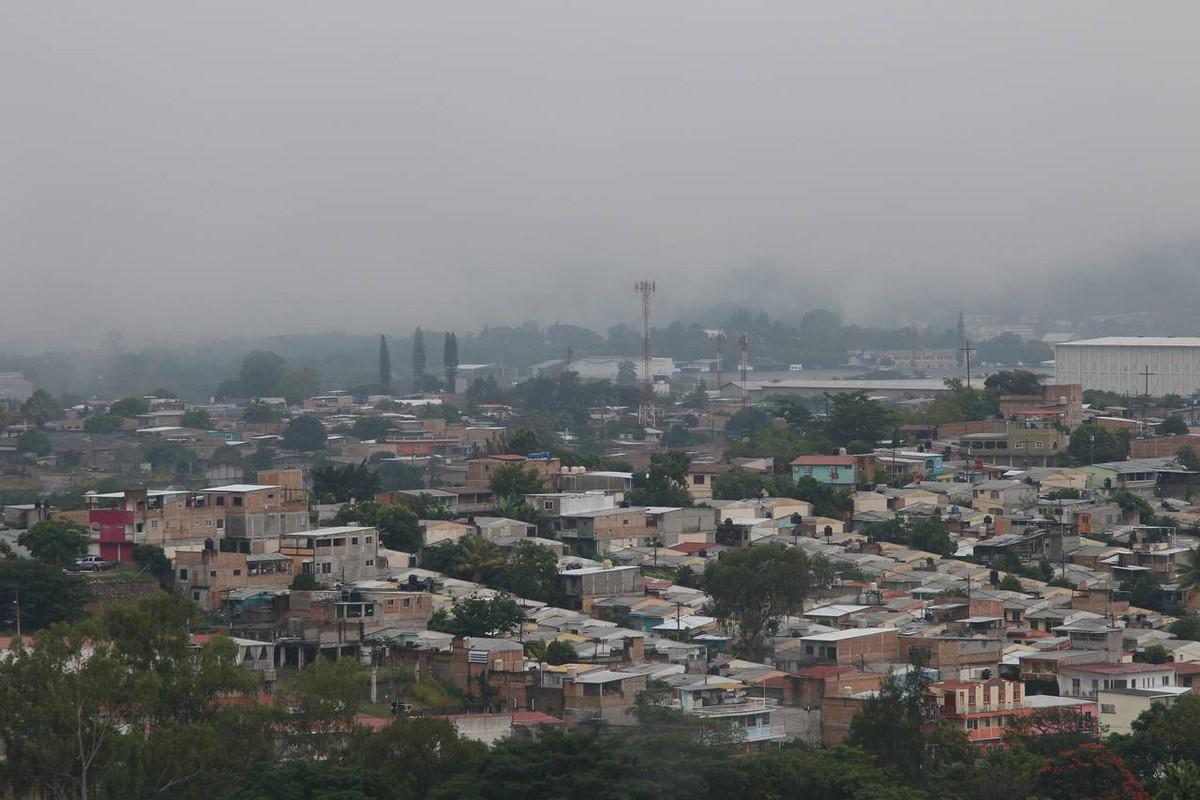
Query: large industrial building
{"points": [[1132, 365]]}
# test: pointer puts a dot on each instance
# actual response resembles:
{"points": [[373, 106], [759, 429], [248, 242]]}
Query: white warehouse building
{"points": [[1120, 363]]}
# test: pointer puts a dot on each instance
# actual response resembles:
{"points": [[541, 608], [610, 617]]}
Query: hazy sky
{"points": [[181, 168]]}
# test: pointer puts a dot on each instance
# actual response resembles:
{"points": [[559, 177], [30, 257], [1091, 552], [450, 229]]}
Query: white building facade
{"points": [[1120, 363]]}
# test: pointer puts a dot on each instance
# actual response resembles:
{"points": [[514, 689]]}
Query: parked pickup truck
{"points": [[91, 564]]}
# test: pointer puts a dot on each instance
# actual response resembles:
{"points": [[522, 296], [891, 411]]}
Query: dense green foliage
{"points": [[47, 594], [58, 542], [753, 588], [304, 432]]}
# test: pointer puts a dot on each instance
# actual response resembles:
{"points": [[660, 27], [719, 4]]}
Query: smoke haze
{"points": [[175, 170]]}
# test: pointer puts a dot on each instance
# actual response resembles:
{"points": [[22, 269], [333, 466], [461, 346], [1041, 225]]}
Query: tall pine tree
{"points": [[450, 359], [418, 359], [385, 364]]}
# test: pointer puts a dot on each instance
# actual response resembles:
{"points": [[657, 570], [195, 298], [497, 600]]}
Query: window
{"points": [[1074, 685], [1019, 445], [238, 501], [183, 574], [340, 541], [391, 603], [1108, 708], [212, 573], [370, 562], [1039, 445], [326, 569], [220, 499], [220, 524], [698, 479], [408, 602], [353, 540], [153, 523], [368, 539], [1165, 680], [195, 595], [237, 572]]}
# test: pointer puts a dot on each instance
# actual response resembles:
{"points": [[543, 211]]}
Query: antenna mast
{"points": [[744, 347], [646, 411]]}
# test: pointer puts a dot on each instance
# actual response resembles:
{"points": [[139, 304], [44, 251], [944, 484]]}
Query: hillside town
{"points": [[603, 541]]}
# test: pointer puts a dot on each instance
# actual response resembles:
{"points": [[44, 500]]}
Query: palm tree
{"points": [[479, 560], [1188, 572], [1180, 781]]}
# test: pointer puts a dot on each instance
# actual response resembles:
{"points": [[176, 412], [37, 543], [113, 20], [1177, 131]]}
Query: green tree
{"points": [[153, 561], [853, 416], [1187, 457], [414, 756], [259, 412], [129, 407], [532, 573], [450, 359], [304, 432], [102, 423], [1186, 627], [747, 422], [753, 588], [1155, 654], [1179, 781], [1014, 381], [305, 581], [45, 594], [1011, 583], [343, 483], [698, 397], [559, 652], [524, 441], [261, 374], [890, 725], [58, 542], [627, 374], [34, 442], [321, 701], [1091, 444], [738, 484], [479, 616], [515, 481], [1144, 592], [385, 365], [41, 408], [198, 419], [666, 482], [418, 357], [1173, 426], [371, 428], [399, 528]]}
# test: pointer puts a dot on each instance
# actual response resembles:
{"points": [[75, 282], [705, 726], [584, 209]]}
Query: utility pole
{"points": [[1146, 373], [966, 350], [646, 411]]}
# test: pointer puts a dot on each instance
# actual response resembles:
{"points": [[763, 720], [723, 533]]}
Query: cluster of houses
{"points": [[1065, 636]]}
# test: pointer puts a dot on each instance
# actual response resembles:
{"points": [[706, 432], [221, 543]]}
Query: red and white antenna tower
{"points": [[646, 409]]}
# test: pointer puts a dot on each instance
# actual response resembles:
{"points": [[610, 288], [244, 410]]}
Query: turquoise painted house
{"points": [[833, 470]]}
